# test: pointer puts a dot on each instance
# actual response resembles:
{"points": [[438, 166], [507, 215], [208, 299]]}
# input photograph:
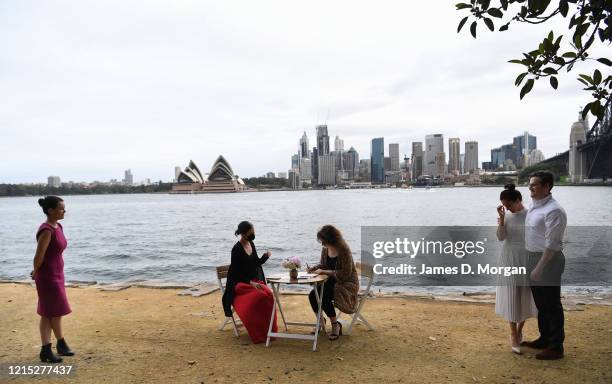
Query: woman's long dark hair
{"points": [[328, 234], [49, 202], [510, 194]]}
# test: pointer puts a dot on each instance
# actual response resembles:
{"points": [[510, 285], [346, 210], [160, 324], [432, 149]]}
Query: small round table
{"points": [[275, 282]]}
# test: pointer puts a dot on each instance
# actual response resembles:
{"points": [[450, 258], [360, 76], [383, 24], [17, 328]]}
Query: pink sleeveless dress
{"points": [[52, 300]]}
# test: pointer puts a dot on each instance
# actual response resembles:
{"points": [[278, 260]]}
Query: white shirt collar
{"points": [[542, 201]]}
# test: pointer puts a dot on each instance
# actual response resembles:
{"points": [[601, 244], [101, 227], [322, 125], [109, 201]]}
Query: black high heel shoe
{"points": [[334, 336], [63, 349], [47, 355]]}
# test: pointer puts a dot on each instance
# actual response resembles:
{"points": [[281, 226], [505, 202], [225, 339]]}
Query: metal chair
{"points": [[222, 274]]}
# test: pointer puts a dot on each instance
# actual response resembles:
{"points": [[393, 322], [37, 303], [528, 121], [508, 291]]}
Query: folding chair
{"points": [[222, 274], [365, 270]]}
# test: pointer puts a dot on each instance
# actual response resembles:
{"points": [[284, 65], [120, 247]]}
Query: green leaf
{"points": [[489, 23], [596, 77], [569, 55], [526, 88], [585, 110], [550, 71], [587, 78], [462, 6], [515, 61], [605, 61], [519, 79], [596, 109], [461, 24], [559, 61], [553, 82], [504, 4], [583, 82], [563, 7], [495, 12], [473, 29], [504, 27]]}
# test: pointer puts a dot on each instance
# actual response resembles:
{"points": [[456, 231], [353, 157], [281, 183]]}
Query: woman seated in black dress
{"points": [[246, 289]]}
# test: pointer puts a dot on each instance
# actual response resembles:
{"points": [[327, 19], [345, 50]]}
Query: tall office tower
{"points": [[177, 172], [338, 144], [365, 170], [128, 178], [295, 161], [498, 156], [462, 157], [351, 162], [440, 163], [304, 149], [306, 170], [315, 165], [377, 161], [322, 140], [434, 144], [327, 170], [454, 152], [394, 156], [387, 163], [294, 178], [471, 156], [417, 159], [53, 181], [524, 143]]}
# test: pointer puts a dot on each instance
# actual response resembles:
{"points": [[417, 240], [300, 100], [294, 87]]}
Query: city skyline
{"points": [[85, 98]]}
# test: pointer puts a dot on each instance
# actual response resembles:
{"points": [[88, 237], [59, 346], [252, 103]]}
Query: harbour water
{"points": [[181, 238]]}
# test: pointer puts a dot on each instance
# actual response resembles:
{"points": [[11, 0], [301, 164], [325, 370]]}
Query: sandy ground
{"points": [[141, 335]]}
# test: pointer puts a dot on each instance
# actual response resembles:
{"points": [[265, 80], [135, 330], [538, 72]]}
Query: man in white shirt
{"points": [[544, 228]]}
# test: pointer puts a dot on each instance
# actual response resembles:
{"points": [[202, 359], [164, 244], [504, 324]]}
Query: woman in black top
{"points": [[246, 289]]}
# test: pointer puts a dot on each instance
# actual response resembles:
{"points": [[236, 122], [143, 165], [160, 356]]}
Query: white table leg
{"points": [[271, 317], [319, 302], [276, 292]]}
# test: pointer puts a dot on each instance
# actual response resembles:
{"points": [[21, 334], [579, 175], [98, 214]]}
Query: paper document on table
{"points": [[306, 275]]}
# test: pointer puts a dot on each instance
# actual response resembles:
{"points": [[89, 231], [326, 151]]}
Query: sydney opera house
{"points": [[220, 179]]}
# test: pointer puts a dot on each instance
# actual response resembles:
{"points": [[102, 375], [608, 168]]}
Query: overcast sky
{"points": [[91, 88]]}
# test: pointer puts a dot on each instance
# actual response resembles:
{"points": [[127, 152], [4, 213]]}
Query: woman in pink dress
{"points": [[49, 276]]}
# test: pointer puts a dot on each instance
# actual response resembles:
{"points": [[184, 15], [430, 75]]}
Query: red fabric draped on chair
{"points": [[254, 307]]}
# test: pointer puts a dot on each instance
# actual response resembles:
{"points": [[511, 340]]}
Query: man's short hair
{"points": [[545, 177]]}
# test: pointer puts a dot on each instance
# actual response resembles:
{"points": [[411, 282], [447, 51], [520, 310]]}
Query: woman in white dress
{"points": [[513, 300]]}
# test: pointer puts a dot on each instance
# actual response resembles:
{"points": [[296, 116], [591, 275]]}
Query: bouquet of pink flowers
{"points": [[292, 262]]}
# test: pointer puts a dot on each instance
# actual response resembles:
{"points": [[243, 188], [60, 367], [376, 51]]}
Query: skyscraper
{"points": [[338, 144], [434, 144], [327, 170], [295, 161], [322, 140], [394, 157], [128, 178], [306, 170], [524, 143], [417, 159], [351, 162], [377, 160], [440, 165], [454, 152], [53, 181], [304, 149], [315, 165], [471, 156]]}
